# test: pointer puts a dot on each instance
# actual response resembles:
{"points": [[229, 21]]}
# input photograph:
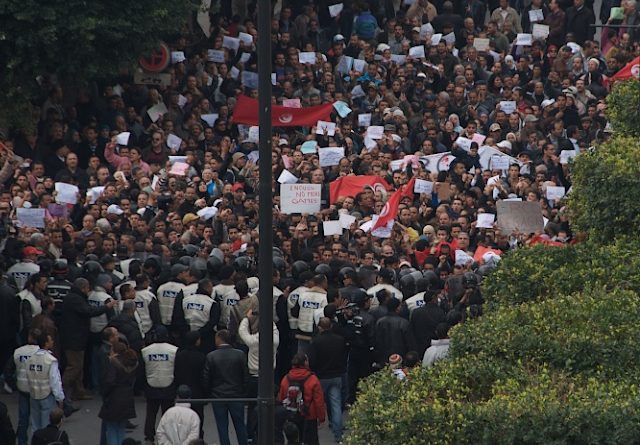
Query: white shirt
{"points": [[178, 426]]}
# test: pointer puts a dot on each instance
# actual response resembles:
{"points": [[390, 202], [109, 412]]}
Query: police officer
{"points": [[45, 384], [147, 305], [304, 278], [200, 313], [384, 281], [359, 325], [225, 294], [20, 357], [168, 292], [159, 368], [311, 301], [59, 286]]}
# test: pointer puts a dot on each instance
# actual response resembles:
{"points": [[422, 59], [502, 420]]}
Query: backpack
{"points": [[294, 400]]}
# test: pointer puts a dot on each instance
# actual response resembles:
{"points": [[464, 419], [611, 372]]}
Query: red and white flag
{"points": [[630, 71], [390, 209], [246, 112], [351, 185]]}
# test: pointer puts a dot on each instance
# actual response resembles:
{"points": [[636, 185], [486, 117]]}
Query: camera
{"points": [[353, 307]]}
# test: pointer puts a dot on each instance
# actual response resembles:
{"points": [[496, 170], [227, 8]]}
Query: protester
{"points": [[52, 433]]}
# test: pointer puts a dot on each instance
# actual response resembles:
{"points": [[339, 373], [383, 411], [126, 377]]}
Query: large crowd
{"points": [[129, 212]]}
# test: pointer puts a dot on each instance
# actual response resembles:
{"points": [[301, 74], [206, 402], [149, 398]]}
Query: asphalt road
{"points": [[83, 427]]}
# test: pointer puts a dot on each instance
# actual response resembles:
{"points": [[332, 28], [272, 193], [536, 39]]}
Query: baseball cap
{"points": [[416, 29], [237, 186], [530, 118], [30, 250], [115, 209], [495, 127], [189, 217], [338, 38], [504, 144]]}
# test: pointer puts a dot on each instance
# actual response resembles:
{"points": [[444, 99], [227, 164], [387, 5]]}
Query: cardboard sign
{"points": [[519, 216], [157, 79], [300, 198]]}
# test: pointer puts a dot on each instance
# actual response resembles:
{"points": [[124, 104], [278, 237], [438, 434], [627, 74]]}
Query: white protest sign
{"points": [[417, 52], [359, 65], [250, 79], [523, 39], [30, 217], [422, 186], [254, 134], [330, 228], [244, 57], [449, 38], [485, 220], [567, 155], [246, 39], [182, 101], [330, 156], [207, 213], [210, 119], [286, 177], [364, 120], [540, 32], [300, 198], [253, 156], [177, 57], [215, 55], [375, 132], [508, 106], [463, 143], [499, 162], [157, 111], [123, 138], [179, 169], [174, 159], [399, 59], [308, 147], [435, 39], [346, 220], [94, 193], [234, 72], [555, 192], [307, 57], [478, 138], [323, 127], [66, 193], [335, 10], [342, 108], [481, 44], [231, 43], [536, 15], [174, 142]]}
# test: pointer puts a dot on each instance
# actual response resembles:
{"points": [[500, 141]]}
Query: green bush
{"points": [[535, 406], [591, 333], [606, 185], [623, 107], [541, 272]]}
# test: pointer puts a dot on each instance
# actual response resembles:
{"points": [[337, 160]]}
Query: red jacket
{"points": [[312, 392]]}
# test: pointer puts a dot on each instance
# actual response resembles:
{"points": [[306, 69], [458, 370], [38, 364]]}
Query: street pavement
{"points": [[83, 427]]}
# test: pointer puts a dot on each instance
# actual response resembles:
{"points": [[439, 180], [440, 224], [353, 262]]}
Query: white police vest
{"points": [[159, 362], [310, 301], [167, 294], [97, 298], [190, 289], [378, 287], [226, 296], [294, 295], [197, 309], [20, 357], [143, 299], [415, 302], [21, 272], [27, 295], [38, 366]]}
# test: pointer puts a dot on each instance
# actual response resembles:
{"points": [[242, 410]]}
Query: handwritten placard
{"points": [[300, 198]]}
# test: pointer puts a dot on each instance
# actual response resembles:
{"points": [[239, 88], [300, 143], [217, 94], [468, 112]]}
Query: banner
{"points": [[300, 198], [246, 112], [352, 185]]}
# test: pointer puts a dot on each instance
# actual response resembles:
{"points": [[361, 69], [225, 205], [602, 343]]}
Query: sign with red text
{"points": [[300, 198]]}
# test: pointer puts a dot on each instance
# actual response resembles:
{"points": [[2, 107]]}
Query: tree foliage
{"points": [[606, 184], [77, 40], [623, 107]]}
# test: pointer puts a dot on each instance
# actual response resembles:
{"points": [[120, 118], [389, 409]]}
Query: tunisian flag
{"points": [[390, 209], [352, 185], [246, 112], [630, 70]]}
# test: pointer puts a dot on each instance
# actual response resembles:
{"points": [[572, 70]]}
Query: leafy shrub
{"points": [[606, 185], [623, 107], [541, 272], [595, 332]]}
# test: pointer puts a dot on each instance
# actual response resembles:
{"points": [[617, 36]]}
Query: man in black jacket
{"points": [[74, 327], [579, 17], [393, 334], [127, 325], [9, 320], [225, 375], [189, 366], [424, 319], [51, 433], [328, 359]]}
